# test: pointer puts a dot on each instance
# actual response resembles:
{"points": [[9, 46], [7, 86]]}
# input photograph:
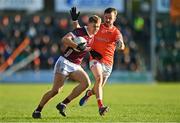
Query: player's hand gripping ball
{"points": [[81, 42]]}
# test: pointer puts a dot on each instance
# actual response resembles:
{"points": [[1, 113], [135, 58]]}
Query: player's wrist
{"points": [[74, 17], [75, 21]]}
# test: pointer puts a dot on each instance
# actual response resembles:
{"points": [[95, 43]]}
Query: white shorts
{"points": [[106, 69], [65, 67]]}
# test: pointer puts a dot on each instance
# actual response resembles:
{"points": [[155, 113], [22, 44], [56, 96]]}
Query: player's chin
{"points": [[95, 32], [108, 23]]}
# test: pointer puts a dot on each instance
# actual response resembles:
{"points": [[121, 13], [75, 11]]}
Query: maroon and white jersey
{"points": [[73, 55]]}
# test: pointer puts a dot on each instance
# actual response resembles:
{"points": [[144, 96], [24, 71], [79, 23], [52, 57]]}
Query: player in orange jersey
{"points": [[106, 41]]}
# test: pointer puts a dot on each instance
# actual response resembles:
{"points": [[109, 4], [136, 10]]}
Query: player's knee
{"points": [[86, 84]]}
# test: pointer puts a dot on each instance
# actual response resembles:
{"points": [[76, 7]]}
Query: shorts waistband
{"points": [[66, 61]]}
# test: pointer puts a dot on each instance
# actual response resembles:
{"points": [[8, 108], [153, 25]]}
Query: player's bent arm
{"points": [[68, 40], [120, 45], [119, 41]]}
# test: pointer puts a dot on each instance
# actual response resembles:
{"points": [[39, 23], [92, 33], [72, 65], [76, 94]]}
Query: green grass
{"points": [[128, 103]]}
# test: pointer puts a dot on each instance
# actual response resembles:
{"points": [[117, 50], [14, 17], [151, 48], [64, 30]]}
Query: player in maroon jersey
{"points": [[68, 66]]}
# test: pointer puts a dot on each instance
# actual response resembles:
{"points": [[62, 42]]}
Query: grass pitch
{"points": [[128, 103]]}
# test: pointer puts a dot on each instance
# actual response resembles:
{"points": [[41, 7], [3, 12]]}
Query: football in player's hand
{"points": [[81, 42]]}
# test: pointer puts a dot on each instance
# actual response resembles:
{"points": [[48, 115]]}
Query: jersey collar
{"points": [[88, 32]]}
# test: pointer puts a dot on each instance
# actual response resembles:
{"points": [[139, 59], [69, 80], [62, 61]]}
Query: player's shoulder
{"points": [[113, 29], [117, 30], [80, 31]]}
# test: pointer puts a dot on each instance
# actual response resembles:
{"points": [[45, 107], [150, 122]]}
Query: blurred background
{"points": [[31, 32]]}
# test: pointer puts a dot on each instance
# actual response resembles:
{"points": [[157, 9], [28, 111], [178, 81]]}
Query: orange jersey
{"points": [[105, 43]]}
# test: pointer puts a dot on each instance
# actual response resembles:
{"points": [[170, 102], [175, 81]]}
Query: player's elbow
{"points": [[68, 42], [123, 46], [64, 40]]}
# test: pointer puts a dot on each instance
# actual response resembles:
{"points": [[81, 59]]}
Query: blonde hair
{"points": [[94, 19]]}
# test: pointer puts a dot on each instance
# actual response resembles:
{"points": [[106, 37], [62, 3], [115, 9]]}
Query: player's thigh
{"points": [[96, 69], [58, 81], [80, 76]]}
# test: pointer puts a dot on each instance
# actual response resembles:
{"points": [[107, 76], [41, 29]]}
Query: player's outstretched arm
{"points": [[74, 16]]}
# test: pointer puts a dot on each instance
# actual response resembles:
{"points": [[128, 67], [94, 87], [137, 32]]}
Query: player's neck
{"points": [[89, 32], [108, 25]]}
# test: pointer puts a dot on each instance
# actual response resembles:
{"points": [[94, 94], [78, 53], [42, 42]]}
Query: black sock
{"points": [[39, 108], [66, 101]]}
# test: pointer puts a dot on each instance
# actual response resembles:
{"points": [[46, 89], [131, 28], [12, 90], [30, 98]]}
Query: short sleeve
{"points": [[118, 36]]}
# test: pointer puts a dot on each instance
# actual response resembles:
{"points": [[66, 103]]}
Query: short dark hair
{"points": [[110, 9], [94, 19]]}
